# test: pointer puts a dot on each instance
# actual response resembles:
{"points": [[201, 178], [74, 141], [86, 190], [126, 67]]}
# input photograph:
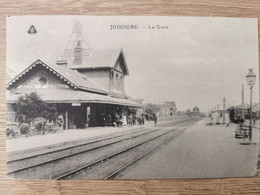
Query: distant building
{"points": [[168, 108], [241, 111], [196, 111], [256, 110]]}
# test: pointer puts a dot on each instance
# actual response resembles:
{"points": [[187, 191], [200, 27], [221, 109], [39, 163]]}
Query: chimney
{"points": [[78, 54]]}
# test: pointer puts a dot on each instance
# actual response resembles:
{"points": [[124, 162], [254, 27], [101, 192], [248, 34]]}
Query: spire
{"points": [[78, 54], [77, 47]]}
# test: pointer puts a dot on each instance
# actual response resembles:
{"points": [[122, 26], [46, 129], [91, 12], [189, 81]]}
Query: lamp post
{"points": [[250, 79]]}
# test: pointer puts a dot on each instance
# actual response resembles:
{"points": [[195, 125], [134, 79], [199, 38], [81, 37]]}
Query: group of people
{"points": [[130, 120], [116, 120]]}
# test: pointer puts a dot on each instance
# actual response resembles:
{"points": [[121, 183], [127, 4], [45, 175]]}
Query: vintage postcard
{"points": [[132, 97]]}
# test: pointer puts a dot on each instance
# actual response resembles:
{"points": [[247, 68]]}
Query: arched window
{"points": [[112, 80], [42, 82], [121, 83]]}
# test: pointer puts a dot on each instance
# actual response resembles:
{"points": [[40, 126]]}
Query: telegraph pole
{"points": [[224, 108], [242, 94]]}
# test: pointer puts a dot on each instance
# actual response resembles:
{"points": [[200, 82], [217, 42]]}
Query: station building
{"points": [[88, 89]]}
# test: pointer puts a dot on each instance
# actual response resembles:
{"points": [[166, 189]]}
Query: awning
{"points": [[242, 106], [219, 111], [74, 96]]}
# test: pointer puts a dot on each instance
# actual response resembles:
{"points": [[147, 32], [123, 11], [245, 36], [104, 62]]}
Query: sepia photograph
{"points": [[131, 97]]}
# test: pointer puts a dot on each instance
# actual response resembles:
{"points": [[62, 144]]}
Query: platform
{"points": [[66, 137]]}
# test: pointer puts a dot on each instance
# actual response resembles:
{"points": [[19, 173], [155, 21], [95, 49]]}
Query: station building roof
{"points": [[75, 96], [83, 89], [73, 78], [100, 59]]}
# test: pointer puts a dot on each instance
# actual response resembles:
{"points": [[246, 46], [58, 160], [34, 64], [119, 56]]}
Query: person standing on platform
{"points": [[155, 119], [143, 119], [134, 120], [130, 120], [254, 119], [124, 120], [60, 121], [116, 120]]}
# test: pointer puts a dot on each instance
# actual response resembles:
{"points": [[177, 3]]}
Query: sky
{"points": [[196, 61]]}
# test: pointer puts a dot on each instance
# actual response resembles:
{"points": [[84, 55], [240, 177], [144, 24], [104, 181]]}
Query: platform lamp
{"points": [[250, 79]]}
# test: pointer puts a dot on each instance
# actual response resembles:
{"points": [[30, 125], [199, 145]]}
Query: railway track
{"points": [[52, 156], [32, 167], [135, 152], [84, 143]]}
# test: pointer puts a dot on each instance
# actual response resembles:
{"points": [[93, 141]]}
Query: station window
{"points": [[43, 81], [117, 81], [121, 83]]}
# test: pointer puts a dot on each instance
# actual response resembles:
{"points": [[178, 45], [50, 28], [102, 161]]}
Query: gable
{"points": [[71, 78], [103, 59], [118, 67], [32, 69], [120, 64], [42, 79]]}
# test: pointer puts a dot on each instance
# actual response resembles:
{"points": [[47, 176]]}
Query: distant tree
{"points": [[30, 106], [180, 113], [130, 111], [188, 112], [202, 115], [151, 110]]}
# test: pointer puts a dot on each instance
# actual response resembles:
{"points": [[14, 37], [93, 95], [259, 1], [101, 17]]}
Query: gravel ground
{"points": [[200, 152]]}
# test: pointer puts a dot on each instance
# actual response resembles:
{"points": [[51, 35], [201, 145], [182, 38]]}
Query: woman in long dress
{"points": [[124, 120]]}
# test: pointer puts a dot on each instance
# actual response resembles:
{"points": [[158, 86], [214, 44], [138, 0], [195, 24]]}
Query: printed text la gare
{"points": [[157, 27]]}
